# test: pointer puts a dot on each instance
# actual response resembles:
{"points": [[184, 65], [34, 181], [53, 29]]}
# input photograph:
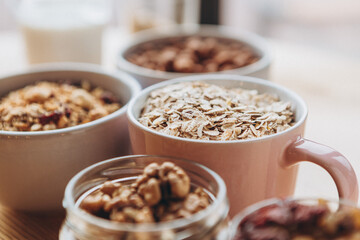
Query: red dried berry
{"points": [[307, 214], [107, 97], [278, 215], [67, 112], [52, 117]]}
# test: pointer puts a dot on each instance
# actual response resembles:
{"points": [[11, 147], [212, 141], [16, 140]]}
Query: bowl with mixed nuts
{"points": [[248, 130], [156, 55], [56, 119], [298, 219], [146, 197]]}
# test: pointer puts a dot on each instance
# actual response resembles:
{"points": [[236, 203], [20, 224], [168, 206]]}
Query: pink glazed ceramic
{"points": [[254, 169]]}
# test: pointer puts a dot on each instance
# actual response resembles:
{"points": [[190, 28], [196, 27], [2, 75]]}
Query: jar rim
{"points": [[69, 203]]}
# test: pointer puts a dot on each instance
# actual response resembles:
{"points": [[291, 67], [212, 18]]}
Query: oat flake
{"points": [[198, 110]]}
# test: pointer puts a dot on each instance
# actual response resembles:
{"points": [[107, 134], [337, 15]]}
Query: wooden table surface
{"points": [[329, 83]]}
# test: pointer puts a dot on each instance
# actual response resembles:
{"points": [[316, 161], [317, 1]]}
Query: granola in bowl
{"points": [[198, 110], [54, 105]]}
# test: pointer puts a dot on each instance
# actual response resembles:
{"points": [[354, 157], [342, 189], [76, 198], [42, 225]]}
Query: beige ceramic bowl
{"points": [[35, 166], [148, 77]]}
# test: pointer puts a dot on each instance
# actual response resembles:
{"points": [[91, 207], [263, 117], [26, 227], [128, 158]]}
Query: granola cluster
{"points": [[51, 105], [161, 193], [198, 110], [296, 221], [193, 54]]}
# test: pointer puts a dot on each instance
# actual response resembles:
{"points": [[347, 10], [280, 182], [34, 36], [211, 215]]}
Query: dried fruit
{"points": [[291, 220]]}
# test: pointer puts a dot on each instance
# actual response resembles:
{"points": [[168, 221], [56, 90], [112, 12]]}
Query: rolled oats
{"points": [[198, 110], [161, 193], [51, 105]]}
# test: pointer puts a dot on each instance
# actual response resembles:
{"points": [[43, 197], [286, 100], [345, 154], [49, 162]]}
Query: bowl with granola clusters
{"points": [[160, 54], [248, 130], [56, 119], [298, 219], [146, 197]]}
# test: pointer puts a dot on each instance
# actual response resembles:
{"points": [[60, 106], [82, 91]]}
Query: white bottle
{"points": [[63, 30]]}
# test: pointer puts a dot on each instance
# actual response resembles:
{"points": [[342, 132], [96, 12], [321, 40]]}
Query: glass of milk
{"points": [[63, 30]]}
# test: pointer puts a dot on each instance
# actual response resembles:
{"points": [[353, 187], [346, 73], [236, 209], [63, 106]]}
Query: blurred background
{"points": [[332, 25]]}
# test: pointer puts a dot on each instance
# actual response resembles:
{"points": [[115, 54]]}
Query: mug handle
{"points": [[331, 160]]}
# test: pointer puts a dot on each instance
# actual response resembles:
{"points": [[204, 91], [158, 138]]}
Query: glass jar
{"points": [[333, 205], [210, 223]]}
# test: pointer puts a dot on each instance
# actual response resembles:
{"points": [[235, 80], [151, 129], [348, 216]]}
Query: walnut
{"points": [[144, 215], [133, 215], [192, 203], [118, 216], [177, 178], [152, 170], [109, 187], [120, 198], [151, 191], [138, 215], [161, 193], [94, 203], [136, 200]]}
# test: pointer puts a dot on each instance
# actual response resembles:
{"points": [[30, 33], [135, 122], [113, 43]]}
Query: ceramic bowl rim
{"points": [[253, 40], [120, 76], [257, 81]]}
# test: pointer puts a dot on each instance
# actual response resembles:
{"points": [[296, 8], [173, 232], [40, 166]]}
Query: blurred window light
{"points": [[332, 25]]}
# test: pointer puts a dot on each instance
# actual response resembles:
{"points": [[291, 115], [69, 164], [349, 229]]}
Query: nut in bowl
{"points": [[248, 130], [161, 54], [51, 131], [298, 219], [146, 197]]}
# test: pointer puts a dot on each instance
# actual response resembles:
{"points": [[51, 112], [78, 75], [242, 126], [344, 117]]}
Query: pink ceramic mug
{"points": [[253, 169]]}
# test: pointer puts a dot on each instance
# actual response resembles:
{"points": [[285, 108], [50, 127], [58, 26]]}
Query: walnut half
{"points": [[161, 193]]}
